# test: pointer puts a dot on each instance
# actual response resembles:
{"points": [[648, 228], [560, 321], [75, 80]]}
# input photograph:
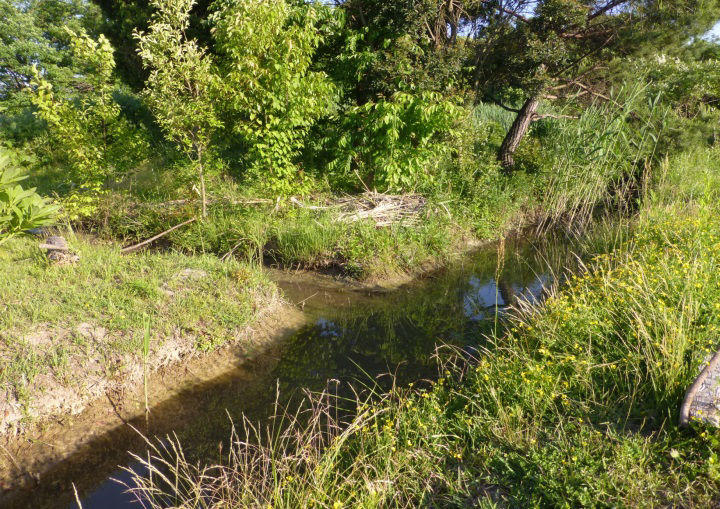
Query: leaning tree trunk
{"points": [[517, 131], [507, 292]]}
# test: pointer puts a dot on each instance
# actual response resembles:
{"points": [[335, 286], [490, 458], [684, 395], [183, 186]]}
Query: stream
{"points": [[351, 335]]}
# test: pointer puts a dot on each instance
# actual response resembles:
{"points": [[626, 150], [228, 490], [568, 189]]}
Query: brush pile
{"points": [[384, 209]]}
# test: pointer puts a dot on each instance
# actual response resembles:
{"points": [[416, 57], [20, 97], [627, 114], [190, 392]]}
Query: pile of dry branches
{"points": [[384, 209]]}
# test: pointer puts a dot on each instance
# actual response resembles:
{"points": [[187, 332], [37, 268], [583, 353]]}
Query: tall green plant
{"points": [[96, 142], [20, 209], [183, 83], [603, 156], [272, 92], [391, 142]]}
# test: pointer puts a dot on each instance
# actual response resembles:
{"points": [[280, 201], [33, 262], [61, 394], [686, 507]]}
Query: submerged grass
{"points": [[574, 404]]}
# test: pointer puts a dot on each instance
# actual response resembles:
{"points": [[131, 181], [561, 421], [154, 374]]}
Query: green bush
{"points": [[391, 142], [20, 209], [272, 94], [93, 140]]}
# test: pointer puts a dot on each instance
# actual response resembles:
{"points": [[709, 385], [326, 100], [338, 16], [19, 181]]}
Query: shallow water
{"points": [[352, 335]]}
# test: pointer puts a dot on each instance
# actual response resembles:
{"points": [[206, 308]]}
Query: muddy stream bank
{"points": [[330, 331]]}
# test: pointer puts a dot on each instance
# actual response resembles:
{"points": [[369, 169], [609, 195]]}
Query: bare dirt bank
{"points": [[83, 424]]}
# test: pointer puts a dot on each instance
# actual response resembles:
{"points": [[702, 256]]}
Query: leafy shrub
{"points": [[94, 140], [689, 84], [689, 87], [391, 141], [20, 209], [272, 94]]}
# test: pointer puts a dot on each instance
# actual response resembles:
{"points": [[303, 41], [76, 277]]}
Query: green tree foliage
{"points": [[687, 81], [398, 68], [287, 90], [691, 85], [392, 142], [408, 45], [95, 142], [32, 33], [20, 209], [550, 49], [183, 83], [123, 17], [272, 95]]}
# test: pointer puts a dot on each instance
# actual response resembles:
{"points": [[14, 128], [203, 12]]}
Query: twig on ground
{"points": [[300, 204], [130, 249], [177, 203], [367, 189], [277, 206], [384, 209], [446, 210], [12, 458], [227, 255]]}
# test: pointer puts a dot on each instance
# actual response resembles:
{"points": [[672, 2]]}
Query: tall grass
{"points": [[603, 158], [488, 113]]}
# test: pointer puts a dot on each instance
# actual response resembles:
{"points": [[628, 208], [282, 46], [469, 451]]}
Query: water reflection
{"points": [[486, 297], [112, 493]]}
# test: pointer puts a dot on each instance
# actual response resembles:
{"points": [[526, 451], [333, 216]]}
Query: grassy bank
{"points": [[293, 237], [70, 332], [574, 404]]}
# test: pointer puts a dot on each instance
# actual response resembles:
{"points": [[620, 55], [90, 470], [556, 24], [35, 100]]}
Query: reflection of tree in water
{"points": [[399, 333], [393, 333]]}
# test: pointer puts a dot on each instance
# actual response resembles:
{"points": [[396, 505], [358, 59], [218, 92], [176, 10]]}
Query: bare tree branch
{"points": [[508, 11], [602, 10], [539, 116], [508, 108], [590, 91]]}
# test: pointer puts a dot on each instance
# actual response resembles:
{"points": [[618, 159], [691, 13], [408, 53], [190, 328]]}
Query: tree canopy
{"points": [[367, 91]]}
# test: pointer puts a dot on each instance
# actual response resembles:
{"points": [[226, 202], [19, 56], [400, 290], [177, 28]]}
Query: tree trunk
{"points": [[517, 131], [507, 292], [202, 187]]}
